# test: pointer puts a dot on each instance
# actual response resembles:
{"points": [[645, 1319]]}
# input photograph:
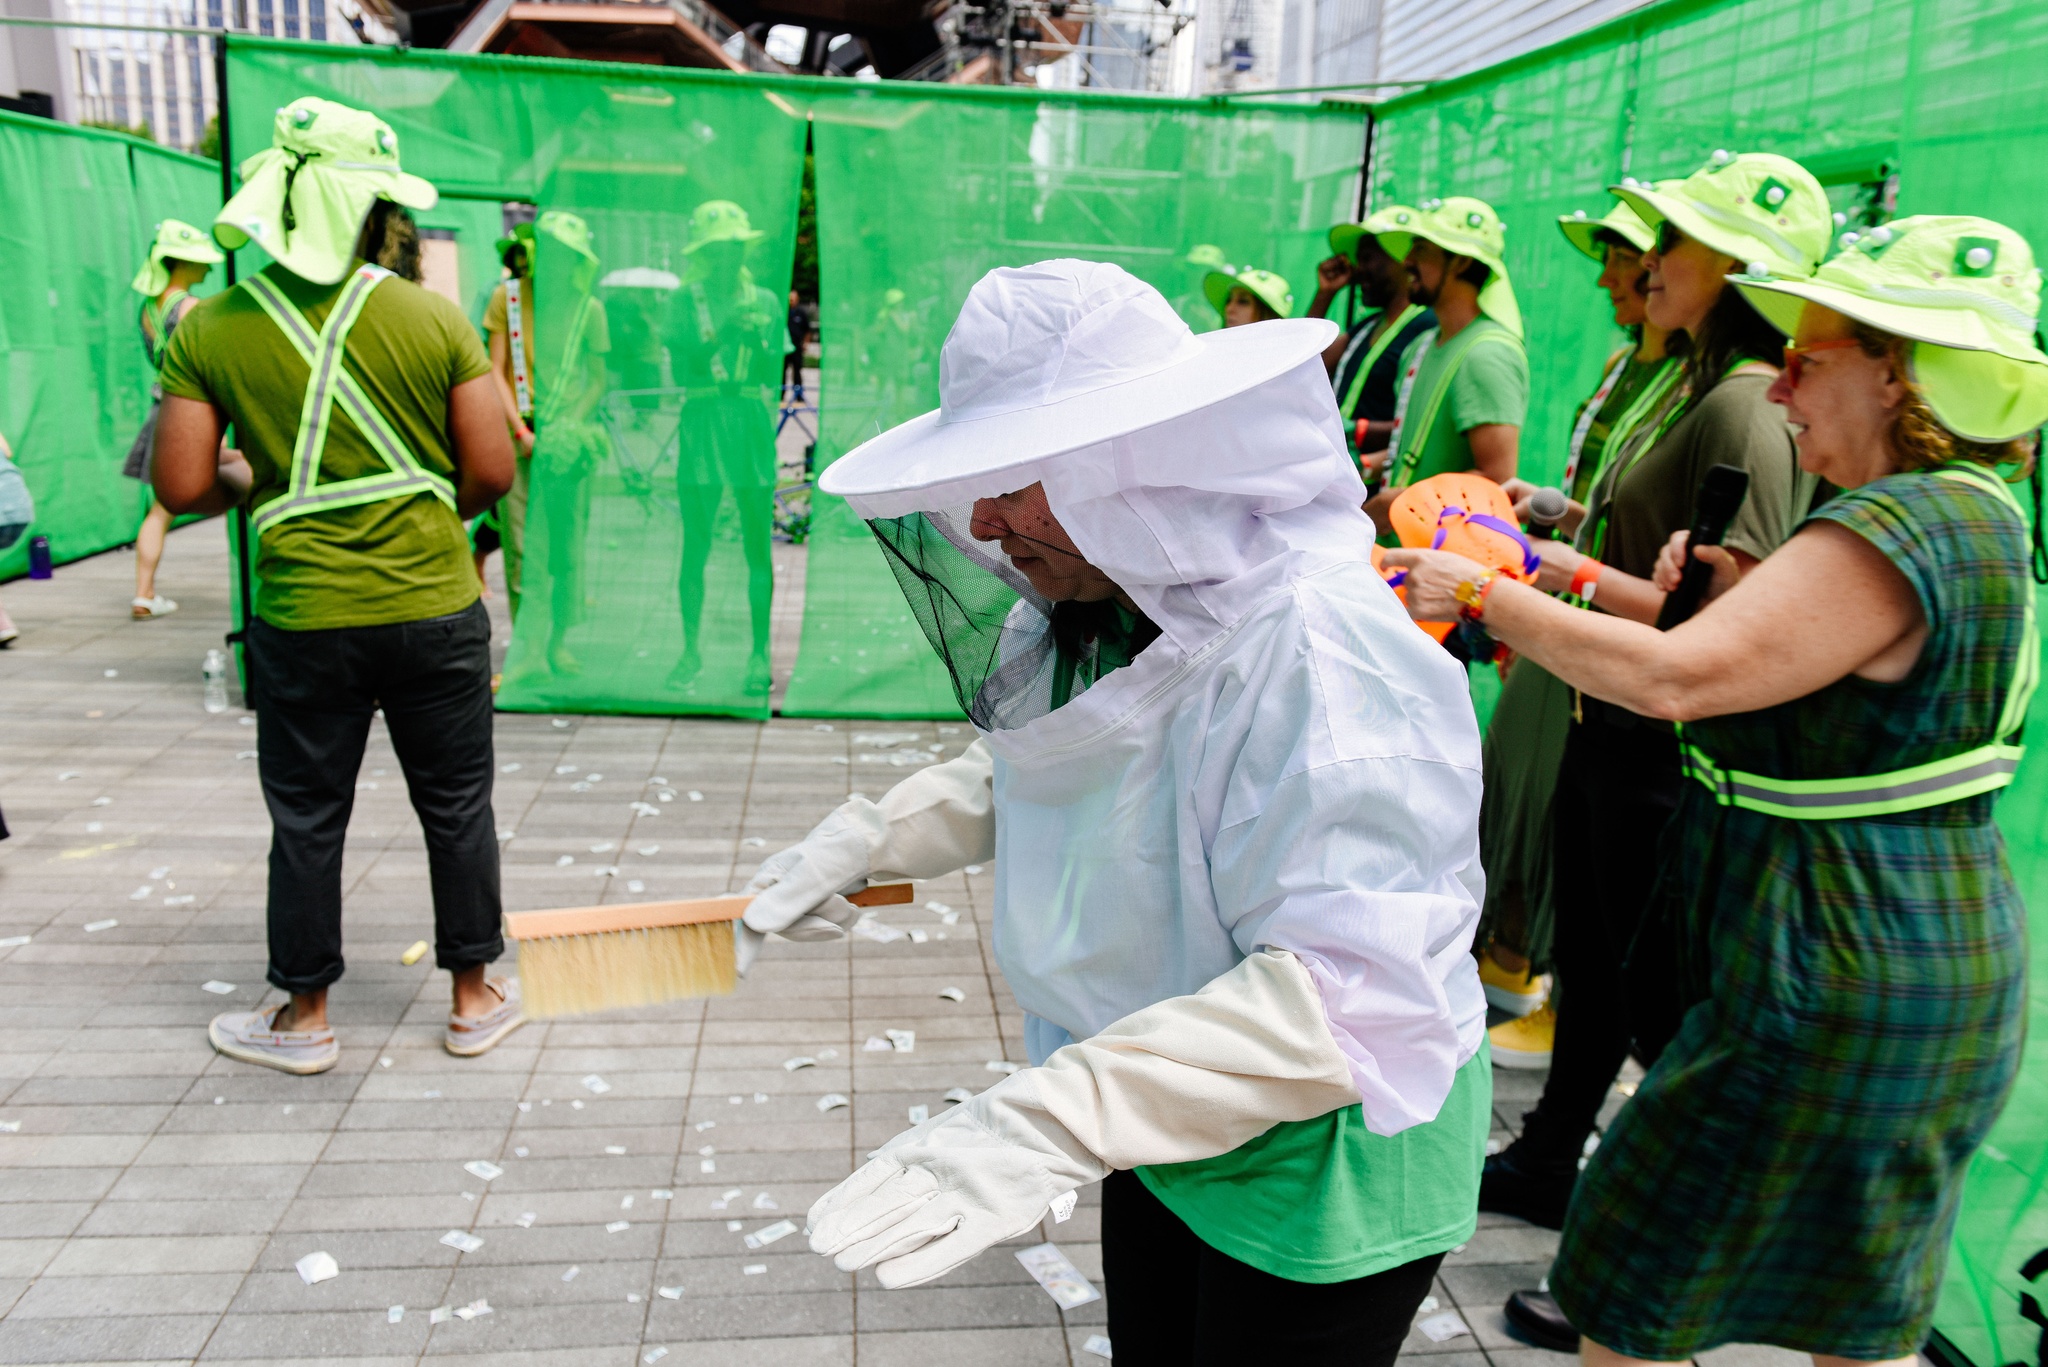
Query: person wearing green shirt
{"points": [[1465, 385], [364, 407]]}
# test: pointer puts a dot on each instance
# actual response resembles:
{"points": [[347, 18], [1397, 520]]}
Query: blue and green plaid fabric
{"points": [[1789, 1171]]}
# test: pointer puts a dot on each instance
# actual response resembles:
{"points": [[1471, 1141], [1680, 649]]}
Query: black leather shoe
{"points": [[1533, 1316], [1535, 1191]]}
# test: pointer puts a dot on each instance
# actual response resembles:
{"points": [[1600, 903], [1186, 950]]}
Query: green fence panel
{"points": [[921, 190], [1953, 98], [76, 384]]}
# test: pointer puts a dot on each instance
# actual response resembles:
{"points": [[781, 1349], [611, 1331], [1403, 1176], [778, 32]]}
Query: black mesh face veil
{"points": [[1013, 655]]}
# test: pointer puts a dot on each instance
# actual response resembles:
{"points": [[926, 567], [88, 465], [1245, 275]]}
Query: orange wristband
{"points": [[1583, 578]]}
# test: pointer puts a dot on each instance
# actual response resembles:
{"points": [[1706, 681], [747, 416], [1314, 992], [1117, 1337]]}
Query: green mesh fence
{"points": [[1950, 97], [80, 218], [921, 191]]}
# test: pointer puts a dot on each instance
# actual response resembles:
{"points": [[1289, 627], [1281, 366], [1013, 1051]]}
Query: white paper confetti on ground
{"points": [[626, 1202], [395, 1314], [649, 850], [707, 1166], [1062, 1207], [462, 1242], [654, 1354], [732, 1226], [10, 1127], [919, 1114], [768, 1234], [917, 937], [1098, 1344], [217, 987], [754, 1269], [763, 1201], [634, 884], [671, 1293], [183, 900], [317, 1267], [570, 1275], [142, 893], [958, 1094], [475, 1308], [511, 768], [1052, 1270], [1444, 1327], [386, 1061], [110, 922], [597, 1084], [953, 994], [440, 1314], [661, 1194], [1002, 1065], [15, 941], [972, 869], [831, 1101], [565, 861], [618, 1226], [484, 1168], [526, 1219], [790, 1065], [604, 847], [877, 1045], [616, 1150]]}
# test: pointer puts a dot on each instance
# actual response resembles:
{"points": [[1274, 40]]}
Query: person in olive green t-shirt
{"points": [[363, 405]]}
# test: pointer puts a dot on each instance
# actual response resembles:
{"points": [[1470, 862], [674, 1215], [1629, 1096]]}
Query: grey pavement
{"points": [[155, 1197]]}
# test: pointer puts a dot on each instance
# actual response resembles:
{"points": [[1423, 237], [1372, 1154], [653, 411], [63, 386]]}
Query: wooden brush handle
{"points": [[541, 925]]}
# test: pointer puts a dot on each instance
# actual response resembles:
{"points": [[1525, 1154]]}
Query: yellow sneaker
{"points": [[1525, 1043], [1515, 993]]}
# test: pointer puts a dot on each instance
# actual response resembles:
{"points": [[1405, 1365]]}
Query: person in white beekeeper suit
{"points": [[1232, 797]]}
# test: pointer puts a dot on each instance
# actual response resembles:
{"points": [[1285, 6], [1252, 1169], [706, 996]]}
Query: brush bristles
{"points": [[566, 975]]}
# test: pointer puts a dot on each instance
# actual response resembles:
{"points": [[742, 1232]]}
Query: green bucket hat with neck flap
{"points": [[176, 240], [304, 199], [1345, 237], [1968, 294], [1760, 208], [1464, 226], [1268, 287]]}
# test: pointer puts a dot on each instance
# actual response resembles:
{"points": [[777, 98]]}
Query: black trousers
{"points": [[1176, 1302], [1616, 791], [315, 694]]}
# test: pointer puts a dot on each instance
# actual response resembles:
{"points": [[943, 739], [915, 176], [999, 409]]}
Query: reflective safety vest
{"points": [[328, 385], [1981, 770]]}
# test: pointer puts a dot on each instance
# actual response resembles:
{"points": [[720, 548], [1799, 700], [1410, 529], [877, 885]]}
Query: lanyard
{"points": [[1372, 358], [1411, 450], [1591, 412], [515, 330], [1667, 398]]}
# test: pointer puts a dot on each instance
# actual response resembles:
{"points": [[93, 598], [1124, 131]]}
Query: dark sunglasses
{"points": [[1668, 237]]}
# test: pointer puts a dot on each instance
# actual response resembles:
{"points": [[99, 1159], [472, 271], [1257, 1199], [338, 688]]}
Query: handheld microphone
{"points": [[1720, 498], [1547, 508]]}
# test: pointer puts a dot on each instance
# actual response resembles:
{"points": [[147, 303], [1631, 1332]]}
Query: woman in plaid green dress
{"points": [[1853, 943]]}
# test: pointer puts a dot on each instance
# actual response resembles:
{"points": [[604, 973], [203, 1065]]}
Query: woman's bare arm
{"points": [[1825, 605]]}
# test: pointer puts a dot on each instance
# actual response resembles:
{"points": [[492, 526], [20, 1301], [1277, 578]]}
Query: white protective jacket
{"points": [[1240, 874]]}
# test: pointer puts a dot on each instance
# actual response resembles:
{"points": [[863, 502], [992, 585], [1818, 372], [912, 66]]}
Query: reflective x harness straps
{"points": [[1981, 770], [328, 385]]}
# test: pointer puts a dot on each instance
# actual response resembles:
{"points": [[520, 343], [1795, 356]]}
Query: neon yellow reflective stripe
{"points": [[1372, 358], [1412, 446], [329, 383], [1984, 769]]}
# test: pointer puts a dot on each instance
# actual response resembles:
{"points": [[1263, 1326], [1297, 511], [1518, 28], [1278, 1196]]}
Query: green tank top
{"points": [[1327, 1200]]}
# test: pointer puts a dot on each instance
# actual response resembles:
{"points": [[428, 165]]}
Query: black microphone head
{"points": [[1547, 507], [1721, 494]]}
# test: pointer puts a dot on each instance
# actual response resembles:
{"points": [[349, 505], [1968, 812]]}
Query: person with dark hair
{"points": [[1853, 974], [508, 324], [1365, 366], [1464, 387], [180, 259], [1620, 778], [1525, 736], [1248, 296], [364, 406]]}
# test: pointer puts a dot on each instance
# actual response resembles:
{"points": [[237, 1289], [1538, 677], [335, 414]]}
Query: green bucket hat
{"points": [[1583, 232], [1206, 254], [1269, 287], [304, 198], [520, 236], [176, 240], [1758, 207], [570, 230], [1345, 237], [1463, 226], [719, 220], [1964, 289]]}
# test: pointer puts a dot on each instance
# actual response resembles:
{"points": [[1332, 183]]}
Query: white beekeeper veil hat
{"points": [[1198, 473]]}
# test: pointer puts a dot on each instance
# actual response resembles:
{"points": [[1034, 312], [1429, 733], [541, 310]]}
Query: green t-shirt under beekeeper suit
{"points": [[395, 560]]}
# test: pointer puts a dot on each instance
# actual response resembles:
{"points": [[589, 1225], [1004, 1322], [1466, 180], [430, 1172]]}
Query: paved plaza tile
{"points": [[156, 1197]]}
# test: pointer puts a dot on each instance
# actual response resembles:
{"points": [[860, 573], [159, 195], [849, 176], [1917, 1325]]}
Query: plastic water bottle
{"points": [[39, 557], [215, 671]]}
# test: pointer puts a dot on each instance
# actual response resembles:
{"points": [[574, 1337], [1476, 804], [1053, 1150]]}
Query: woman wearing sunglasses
{"points": [[1852, 941], [1620, 777]]}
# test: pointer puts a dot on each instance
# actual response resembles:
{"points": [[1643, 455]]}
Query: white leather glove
{"points": [[936, 821], [1190, 1077]]}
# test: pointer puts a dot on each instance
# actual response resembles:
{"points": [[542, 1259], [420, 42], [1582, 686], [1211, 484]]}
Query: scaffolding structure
{"points": [[1063, 44]]}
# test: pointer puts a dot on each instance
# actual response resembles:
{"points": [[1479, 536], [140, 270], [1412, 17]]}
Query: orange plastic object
{"points": [[1466, 514]]}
